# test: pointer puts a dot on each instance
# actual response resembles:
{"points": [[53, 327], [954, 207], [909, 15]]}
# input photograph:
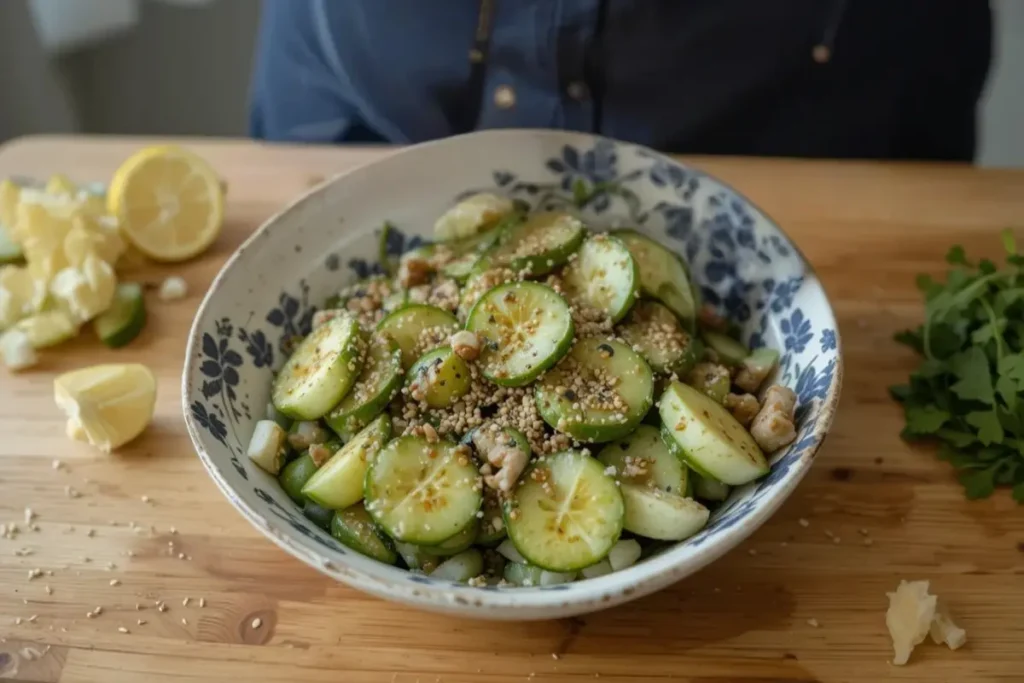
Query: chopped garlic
{"points": [[172, 289], [266, 447], [17, 351], [914, 614]]}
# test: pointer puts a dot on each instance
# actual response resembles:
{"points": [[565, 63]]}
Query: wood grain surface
{"points": [[867, 228]]}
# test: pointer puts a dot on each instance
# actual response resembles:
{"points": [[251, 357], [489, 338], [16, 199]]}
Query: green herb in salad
{"points": [[968, 392]]}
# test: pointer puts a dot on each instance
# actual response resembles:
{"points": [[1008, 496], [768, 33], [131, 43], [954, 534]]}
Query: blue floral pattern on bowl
{"points": [[742, 264]]}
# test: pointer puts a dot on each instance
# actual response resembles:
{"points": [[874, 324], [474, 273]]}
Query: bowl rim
{"points": [[642, 579]]}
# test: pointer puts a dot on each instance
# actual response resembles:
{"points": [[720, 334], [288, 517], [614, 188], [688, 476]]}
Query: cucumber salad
{"points": [[524, 401]]}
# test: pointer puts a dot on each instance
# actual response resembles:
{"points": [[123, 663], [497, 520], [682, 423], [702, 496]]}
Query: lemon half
{"points": [[169, 203], [107, 405]]}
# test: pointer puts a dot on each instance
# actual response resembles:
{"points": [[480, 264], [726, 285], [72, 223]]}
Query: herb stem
{"points": [[1000, 351]]}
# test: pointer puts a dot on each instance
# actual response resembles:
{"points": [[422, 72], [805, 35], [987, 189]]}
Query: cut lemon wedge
{"points": [[169, 202], [48, 328], [107, 405]]}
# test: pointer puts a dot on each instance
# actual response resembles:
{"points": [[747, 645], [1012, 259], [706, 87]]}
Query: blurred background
{"points": [[181, 67]]}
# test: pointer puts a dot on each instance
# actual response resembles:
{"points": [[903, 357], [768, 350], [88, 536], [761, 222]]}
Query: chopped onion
{"points": [[508, 550], [595, 570], [624, 554]]}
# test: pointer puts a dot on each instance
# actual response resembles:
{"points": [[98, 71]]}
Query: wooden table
{"points": [[868, 228]]}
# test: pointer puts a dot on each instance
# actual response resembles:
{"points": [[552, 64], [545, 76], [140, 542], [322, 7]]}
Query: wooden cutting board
{"points": [[794, 603]]}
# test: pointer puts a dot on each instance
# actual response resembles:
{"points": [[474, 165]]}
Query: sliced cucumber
{"points": [[595, 570], [339, 483], [125, 318], [317, 514], [603, 276], [422, 492], [653, 513], [625, 553], [601, 391], [464, 254], [407, 324], [706, 488], [524, 329], [644, 459], [472, 215], [537, 246], [655, 332], [320, 371], [461, 567], [709, 438], [712, 380], [460, 267], [294, 476], [526, 575], [354, 528], [457, 543], [662, 275], [416, 557], [378, 382], [566, 514], [729, 351], [439, 378], [10, 251]]}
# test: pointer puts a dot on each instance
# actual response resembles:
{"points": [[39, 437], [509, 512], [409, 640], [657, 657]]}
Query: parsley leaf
{"points": [[966, 392]]}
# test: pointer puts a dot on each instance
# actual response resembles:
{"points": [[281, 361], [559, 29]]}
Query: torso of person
{"points": [[837, 78]]}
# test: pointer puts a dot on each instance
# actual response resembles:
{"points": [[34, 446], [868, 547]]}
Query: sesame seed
{"points": [[868, 541], [138, 606], [33, 618], [752, 552], [34, 573], [29, 515], [90, 533], [256, 623], [554, 655], [49, 591], [813, 623], [804, 523], [56, 464], [140, 622], [181, 556], [145, 499], [202, 602], [184, 621], [184, 603], [173, 530], [122, 629], [115, 582], [71, 493], [17, 621]]}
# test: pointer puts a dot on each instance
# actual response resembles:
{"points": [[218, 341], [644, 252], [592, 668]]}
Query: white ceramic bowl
{"points": [[269, 289]]}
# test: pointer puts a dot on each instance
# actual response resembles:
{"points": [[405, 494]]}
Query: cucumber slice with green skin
{"points": [[355, 529], [644, 459], [460, 267], [729, 351], [461, 567], [317, 514], [339, 483], [566, 514], [653, 513], [320, 371], [655, 332], [378, 382], [457, 543], [539, 245], [603, 276], [417, 557], [710, 439], [600, 392], [440, 378], [712, 380], [294, 476], [472, 215], [526, 575], [395, 301], [662, 276], [421, 492], [524, 328], [10, 251], [124, 320], [706, 488], [407, 324], [464, 254]]}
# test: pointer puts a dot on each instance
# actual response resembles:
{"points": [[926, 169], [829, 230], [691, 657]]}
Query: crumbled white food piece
{"points": [[910, 617], [944, 631], [16, 350], [774, 427], [266, 447], [465, 344], [173, 288]]}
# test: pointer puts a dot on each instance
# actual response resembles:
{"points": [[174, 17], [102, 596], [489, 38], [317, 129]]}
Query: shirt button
{"points": [[578, 91], [504, 97]]}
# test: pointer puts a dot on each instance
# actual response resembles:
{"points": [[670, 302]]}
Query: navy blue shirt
{"points": [[836, 78]]}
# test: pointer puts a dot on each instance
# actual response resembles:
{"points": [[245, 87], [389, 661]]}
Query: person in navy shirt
{"points": [[884, 79]]}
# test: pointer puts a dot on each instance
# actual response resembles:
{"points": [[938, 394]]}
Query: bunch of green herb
{"points": [[968, 392]]}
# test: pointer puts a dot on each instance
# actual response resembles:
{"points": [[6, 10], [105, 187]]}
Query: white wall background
{"points": [[152, 80]]}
